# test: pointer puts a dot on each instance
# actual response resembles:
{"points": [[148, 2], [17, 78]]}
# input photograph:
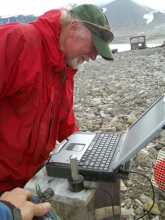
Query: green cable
{"points": [[38, 189], [52, 212]]}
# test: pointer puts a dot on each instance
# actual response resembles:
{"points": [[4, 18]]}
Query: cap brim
{"points": [[102, 47]]}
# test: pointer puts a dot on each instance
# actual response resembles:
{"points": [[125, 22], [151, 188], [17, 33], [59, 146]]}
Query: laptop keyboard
{"points": [[100, 152]]}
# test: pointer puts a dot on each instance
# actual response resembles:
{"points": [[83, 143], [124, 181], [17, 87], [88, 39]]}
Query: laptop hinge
{"points": [[123, 170], [163, 127]]}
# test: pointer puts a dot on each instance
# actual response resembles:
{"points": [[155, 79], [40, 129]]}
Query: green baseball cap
{"points": [[94, 19]]}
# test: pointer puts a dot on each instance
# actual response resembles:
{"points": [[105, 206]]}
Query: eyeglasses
{"points": [[101, 31], [106, 36]]}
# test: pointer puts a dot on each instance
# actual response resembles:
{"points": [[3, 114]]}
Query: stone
{"points": [[127, 213], [128, 203], [155, 218], [128, 183], [163, 214], [90, 116], [123, 187], [103, 115], [95, 102], [138, 202], [158, 146], [131, 120], [144, 198], [115, 119], [134, 206], [151, 145], [119, 127], [139, 211], [154, 210], [109, 127], [162, 202], [161, 207]]}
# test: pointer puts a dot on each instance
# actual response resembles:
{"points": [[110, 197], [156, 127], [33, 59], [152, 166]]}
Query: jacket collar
{"points": [[49, 27]]}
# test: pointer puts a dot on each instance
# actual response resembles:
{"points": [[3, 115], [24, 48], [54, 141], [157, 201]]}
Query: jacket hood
{"points": [[49, 26]]}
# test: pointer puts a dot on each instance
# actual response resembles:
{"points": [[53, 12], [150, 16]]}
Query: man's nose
{"points": [[93, 54]]}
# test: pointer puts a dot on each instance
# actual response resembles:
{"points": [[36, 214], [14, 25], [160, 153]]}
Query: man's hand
{"points": [[20, 198]]}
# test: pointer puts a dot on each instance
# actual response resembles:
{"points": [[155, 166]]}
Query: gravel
{"points": [[109, 97]]}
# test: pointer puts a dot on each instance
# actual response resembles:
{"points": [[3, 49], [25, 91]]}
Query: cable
{"points": [[89, 187], [127, 171]]}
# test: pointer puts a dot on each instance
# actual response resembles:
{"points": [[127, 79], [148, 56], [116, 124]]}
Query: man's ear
{"points": [[74, 27]]}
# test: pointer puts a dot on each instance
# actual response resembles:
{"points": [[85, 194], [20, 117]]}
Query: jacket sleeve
{"points": [[67, 125], [6, 213], [9, 211]]}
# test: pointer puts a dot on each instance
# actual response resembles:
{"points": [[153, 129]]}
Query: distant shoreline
{"points": [[126, 47], [148, 41]]}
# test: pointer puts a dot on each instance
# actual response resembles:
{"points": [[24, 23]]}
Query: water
{"points": [[126, 47]]}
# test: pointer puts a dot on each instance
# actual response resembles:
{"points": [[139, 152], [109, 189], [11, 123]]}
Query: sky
{"points": [[38, 7]]}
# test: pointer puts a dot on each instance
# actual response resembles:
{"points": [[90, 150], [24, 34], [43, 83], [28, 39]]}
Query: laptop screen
{"points": [[143, 130]]}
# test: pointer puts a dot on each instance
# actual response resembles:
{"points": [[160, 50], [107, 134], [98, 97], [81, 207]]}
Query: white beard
{"points": [[75, 64]]}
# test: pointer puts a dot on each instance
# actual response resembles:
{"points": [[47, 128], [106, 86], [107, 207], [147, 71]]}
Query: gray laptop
{"points": [[103, 156]]}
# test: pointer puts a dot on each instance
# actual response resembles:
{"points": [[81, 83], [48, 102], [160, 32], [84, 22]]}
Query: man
{"points": [[37, 65]]}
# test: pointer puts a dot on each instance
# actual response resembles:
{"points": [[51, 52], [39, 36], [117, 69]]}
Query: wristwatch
{"points": [[14, 210]]}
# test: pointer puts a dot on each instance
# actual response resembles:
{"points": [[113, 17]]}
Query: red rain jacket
{"points": [[36, 97]]}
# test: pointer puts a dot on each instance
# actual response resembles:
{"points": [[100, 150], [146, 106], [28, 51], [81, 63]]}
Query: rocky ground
{"points": [[109, 97]]}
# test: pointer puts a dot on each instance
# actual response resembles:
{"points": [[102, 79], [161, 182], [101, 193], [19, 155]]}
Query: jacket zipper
{"points": [[14, 183], [62, 81]]}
